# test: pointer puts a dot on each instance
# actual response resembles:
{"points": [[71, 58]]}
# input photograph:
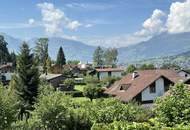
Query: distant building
{"points": [[53, 79], [6, 72], [144, 86], [109, 72], [184, 73]]}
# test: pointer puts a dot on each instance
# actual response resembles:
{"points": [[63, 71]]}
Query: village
{"points": [[103, 81], [95, 65]]}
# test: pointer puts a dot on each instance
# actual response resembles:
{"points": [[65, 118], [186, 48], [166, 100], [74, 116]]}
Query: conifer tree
{"points": [[4, 53], [26, 80], [61, 57]]}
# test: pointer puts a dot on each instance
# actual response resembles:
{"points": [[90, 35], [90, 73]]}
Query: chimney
{"points": [[135, 75]]}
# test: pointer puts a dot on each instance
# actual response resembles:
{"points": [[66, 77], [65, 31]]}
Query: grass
{"points": [[79, 87]]}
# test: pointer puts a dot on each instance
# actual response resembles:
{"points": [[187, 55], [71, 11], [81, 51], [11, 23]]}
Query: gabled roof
{"points": [[144, 79], [50, 76]]}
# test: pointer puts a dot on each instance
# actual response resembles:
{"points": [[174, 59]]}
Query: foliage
{"points": [[8, 108], [174, 108], [91, 80], [118, 125], [107, 82], [4, 53], [69, 83], [170, 66], [147, 67], [109, 110], [92, 91], [73, 62], [131, 69], [110, 56], [41, 52], [98, 57], [61, 57], [13, 59], [74, 93], [26, 80]]}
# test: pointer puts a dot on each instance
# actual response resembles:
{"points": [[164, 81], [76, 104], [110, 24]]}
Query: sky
{"points": [[109, 23]]}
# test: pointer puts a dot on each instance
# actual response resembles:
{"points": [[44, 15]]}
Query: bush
{"points": [[174, 108], [74, 93], [91, 91], [69, 83], [122, 126], [8, 108]]}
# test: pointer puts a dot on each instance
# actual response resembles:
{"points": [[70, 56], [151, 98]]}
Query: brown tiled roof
{"points": [[110, 69], [145, 78]]}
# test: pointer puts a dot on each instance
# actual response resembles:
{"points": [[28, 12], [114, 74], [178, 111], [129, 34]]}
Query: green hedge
{"points": [[133, 126], [74, 93]]}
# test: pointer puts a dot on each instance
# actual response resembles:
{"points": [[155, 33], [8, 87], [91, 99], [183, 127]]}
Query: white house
{"points": [[184, 73], [109, 72], [144, 86]]}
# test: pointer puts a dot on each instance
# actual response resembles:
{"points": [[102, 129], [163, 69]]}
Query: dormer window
{"points": [[124, 87]]}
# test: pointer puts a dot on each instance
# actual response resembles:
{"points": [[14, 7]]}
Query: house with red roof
{"points": [[144, 86]]}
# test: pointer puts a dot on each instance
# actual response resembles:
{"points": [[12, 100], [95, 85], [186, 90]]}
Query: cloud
{"points": [[89, 25], [179, 17], [55, 21], [89, 6], [152, 26], [74, 25], [31, 21]]}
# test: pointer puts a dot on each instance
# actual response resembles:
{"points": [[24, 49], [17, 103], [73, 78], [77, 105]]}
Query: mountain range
{"points": [[159, 46]]}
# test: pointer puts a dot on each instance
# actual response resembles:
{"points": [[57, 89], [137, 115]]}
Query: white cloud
{"points": [[179, 17], [89, 6], [152, 26], [31, 21], [54, 20], [74, 25], [89, 25]]}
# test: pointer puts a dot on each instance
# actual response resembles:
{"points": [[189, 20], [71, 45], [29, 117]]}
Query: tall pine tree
{"points": [[4, 53], [26, 80], [61, 57]]}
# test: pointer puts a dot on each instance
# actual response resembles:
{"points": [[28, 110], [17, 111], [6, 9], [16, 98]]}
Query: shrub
{"points": [[69, 82], [174, 108], [8, 108], [74, 93], [91, 91]]}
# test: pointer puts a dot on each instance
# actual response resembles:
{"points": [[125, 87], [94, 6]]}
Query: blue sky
{"points": [[92, 21]]}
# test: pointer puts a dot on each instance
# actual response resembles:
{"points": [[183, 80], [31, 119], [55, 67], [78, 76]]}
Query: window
{"points": [[152, 88], [124, 87]]}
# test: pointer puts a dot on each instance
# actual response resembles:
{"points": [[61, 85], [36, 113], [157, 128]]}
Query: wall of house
{"points": [[183, 74], [103, 75], [8, 76], [147, 96], [116, 74]]}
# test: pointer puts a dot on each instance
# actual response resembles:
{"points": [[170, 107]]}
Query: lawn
{"points": [[79, 87]]}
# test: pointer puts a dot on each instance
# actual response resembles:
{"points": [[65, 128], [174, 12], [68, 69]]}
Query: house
{"points": [[53, 79], [108, 72], [144, 86], [6, 72], [184, 73]]}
